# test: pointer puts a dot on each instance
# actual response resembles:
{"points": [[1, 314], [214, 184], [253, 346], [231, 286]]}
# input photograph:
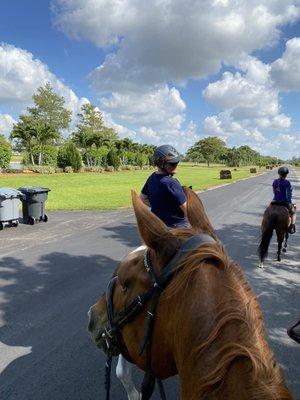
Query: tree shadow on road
{"points": [[125, 233], [45, 308]]}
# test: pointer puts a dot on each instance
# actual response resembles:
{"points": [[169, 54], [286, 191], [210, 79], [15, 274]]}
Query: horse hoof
{"points": [[284, 250], [135, 395], [261, 265]]}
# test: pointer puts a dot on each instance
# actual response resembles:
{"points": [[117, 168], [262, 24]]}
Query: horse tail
{"points": [[267, 233]]}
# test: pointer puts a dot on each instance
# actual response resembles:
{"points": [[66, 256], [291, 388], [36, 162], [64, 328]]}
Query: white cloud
{"points": [[153, 46], [249, 95], [162, 107], [286, 70], [156, 116], [239, 133], [162, 40], [20, 76], [250, 108], [148, 135], [285, 145], [6, 124], [122, 131], [233, 132]]}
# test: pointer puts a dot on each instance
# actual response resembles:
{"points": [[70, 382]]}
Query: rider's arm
{"points": [[145, 199], [274, 186], [289, 190], [178, 194]]}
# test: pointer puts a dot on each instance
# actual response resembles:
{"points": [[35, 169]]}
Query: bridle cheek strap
{"points": [[112, 333]]}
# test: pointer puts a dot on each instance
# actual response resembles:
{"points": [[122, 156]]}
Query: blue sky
{"points": [[161, 71]]}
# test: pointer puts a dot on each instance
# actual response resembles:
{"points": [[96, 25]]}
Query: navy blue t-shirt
{"points": [[166, 195], [282, 190]]}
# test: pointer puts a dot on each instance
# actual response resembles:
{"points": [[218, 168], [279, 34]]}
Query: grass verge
{"points": [[111, 190]]}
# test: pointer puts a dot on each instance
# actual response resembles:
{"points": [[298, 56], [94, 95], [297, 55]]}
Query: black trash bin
{"points": [[34, 204]]}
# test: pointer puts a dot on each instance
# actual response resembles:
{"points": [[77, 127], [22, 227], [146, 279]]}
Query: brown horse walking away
{"points": [[208, 327], [276, 217]]}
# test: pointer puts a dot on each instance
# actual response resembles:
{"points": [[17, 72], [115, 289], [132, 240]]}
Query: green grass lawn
{"points": [[110, 190]]}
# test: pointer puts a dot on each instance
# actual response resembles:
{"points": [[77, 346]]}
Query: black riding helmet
{"points": [[283, 171], [165, 154]]}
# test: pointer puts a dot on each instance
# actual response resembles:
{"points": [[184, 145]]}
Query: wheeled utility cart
{"points": [[33, 204], [9, 207]]}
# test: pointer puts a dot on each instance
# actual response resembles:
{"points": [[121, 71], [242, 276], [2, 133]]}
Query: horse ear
{"points": [[196, 214], [153, 231]]}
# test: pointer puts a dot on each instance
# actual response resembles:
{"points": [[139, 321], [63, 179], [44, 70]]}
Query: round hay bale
{"points": [[225, 174]]}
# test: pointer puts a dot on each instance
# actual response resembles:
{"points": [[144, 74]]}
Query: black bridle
{"points": [[112, 333]]}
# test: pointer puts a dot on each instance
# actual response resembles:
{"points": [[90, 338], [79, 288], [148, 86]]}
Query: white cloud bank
{"points": [[20, 76], [286, 70], [162, 40], [162, 106], [6, 124], [154, 46], [249, 95], [250, 109]]}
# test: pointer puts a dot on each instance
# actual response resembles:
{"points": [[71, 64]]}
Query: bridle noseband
{"points": [[112, 334]]}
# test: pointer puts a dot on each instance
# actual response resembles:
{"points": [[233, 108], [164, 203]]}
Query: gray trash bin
{"points": [[9, 207], [34, 204]]}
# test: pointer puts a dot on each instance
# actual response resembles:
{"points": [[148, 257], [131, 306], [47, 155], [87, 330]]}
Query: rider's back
{"points": [[282, 190], [165, 195]]}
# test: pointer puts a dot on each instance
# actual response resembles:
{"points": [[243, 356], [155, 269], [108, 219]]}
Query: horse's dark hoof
{"points": [[284, 250], [292, 229]]}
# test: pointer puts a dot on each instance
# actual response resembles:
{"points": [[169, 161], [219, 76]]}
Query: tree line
{"points": [[38, 136], [213, 149]]}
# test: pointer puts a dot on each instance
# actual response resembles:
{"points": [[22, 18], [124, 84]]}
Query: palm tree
{"points": [[32, 132], [25, 133]]}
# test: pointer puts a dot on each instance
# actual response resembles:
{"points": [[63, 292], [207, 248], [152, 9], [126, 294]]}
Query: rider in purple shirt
{"points": [[282, 190]]}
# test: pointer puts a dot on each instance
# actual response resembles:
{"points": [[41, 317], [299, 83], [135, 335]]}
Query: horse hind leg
{"points": [[284, 249], [279, 251], [124, 373], [280, 238], [147, 386]]}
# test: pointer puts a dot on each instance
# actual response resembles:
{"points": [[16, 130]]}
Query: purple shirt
{"points": [[282, 190], [166, 195]]}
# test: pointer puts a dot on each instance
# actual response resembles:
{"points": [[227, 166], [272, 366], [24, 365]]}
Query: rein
{"points": [[112, 334]]}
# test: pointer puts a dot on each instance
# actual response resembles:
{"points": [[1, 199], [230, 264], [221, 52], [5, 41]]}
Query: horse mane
{"points": [[242, 309]]}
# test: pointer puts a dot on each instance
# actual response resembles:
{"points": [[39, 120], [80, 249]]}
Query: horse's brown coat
{"points": [[209, 327]]}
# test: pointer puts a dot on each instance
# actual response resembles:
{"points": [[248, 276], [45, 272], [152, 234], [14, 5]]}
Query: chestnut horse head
{"points": [[208, 327], [276, 217]]}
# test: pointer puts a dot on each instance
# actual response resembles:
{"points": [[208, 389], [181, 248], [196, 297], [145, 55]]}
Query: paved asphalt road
{"points": [[52, 272]]}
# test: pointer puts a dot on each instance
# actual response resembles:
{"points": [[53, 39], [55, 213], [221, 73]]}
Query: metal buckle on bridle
{"points": [[109, 335]]}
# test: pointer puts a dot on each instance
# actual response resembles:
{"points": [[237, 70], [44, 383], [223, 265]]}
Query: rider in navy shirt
{"points": [[282, 190], [162, 192]]}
